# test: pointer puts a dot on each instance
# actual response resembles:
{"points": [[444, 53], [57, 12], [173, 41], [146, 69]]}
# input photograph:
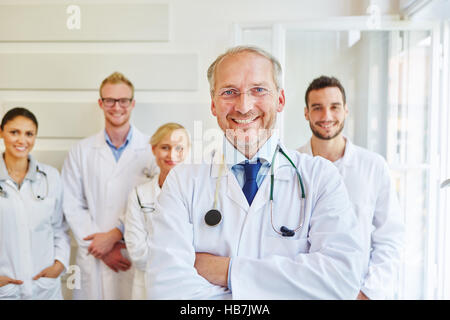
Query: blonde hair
{"points": [[276, 66], [166, 129], [116, 78]]}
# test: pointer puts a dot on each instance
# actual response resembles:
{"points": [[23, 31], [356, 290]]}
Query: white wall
{"points": [[197, 29]]}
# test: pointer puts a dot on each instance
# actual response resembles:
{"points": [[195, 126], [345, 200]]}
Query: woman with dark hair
{"points": [[34, 244]]}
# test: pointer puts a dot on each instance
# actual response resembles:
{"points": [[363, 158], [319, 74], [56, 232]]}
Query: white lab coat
{"points": [[137, 218], [96, 189], [321, 261], [366, 176], [33, 233]]}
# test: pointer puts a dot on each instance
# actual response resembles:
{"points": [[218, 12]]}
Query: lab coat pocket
{"points": [[9, 292], [285, 246], [47, 288], [47, 283]]}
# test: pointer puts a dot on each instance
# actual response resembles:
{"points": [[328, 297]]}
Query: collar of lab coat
{"points": [[232, 157], [347, 160], [127, 139], [31, 174], [137, 140], [149, 191], [265, 153]]}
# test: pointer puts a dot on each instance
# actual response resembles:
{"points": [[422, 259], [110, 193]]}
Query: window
{"points": [[393, 84]]}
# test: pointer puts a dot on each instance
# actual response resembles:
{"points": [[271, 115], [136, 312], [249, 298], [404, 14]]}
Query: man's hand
{"points": [[51, 272], [115, 260], [362, 296], [103, 242], [7, 280], [212, 268]]}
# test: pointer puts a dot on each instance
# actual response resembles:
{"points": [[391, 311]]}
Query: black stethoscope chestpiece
{"points": [[213, 217], [286, 232]]}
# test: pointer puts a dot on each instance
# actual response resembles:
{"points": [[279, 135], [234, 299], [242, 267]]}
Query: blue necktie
{"points": [[250, 187]]}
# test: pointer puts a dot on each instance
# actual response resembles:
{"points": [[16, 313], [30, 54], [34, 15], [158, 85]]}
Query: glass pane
{"points": [[387, 77], [414, 201]]}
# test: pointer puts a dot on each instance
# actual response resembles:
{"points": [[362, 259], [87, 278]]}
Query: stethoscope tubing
{"points": [[272, 183], [144, 207], [4, 194]]}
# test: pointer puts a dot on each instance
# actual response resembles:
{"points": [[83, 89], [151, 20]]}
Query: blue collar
{"points": [[127, 140]]}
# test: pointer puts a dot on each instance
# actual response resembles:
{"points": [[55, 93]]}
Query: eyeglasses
{"points": [[123, 102], [231, 94]]}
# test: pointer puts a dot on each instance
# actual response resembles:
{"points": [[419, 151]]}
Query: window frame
{"points": [[436, 277]]}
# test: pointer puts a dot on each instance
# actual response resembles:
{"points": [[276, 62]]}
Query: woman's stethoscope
{"points": [[145, 207], [213, 217], [4, 194]]}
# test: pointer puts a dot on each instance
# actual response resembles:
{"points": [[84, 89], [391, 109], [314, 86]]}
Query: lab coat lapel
{"points": [[281, 174], [137, 144], [349, 159], [233, 190], [105, 152], [125, 158], [262, 195], [306, 148]]}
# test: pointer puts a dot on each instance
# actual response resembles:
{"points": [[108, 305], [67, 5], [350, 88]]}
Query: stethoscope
{"points": [[4, 194], [213, 217], [145, 207]]}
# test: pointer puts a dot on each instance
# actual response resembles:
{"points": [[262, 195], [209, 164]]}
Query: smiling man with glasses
{"points": [[117, 102], [220, 231], [98, 175]]}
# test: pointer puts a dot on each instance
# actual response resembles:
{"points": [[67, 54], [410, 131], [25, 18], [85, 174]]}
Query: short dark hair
{"points": [[16, 112], [324, 82]]}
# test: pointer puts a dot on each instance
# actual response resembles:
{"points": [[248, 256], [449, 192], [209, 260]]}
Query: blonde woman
{"points": [[170, 145]]}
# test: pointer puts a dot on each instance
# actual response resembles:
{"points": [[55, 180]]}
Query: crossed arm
{"points": [[215, 270], [330, 269], [212, 268]]}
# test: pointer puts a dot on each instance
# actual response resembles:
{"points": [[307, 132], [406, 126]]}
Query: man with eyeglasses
{"points": [[217, 234], [98, 174]]}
